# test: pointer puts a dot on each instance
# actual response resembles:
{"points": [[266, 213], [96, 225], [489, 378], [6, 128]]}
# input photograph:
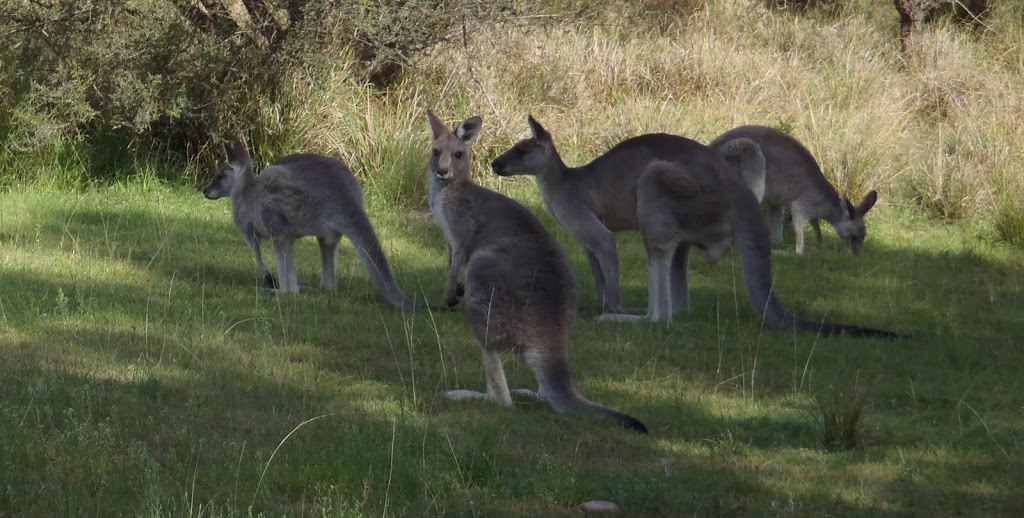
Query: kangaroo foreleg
{"points": [[254, 241], [603, 248], [595, 268], [816, 225], [452, 288]]}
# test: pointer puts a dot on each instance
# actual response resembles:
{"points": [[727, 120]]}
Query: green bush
{"points": [[126, 80]]}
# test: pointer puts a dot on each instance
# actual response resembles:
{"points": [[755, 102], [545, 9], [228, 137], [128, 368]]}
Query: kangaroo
{"points": [[302, 195], [520, 292], [793, 179], [679, 194]]}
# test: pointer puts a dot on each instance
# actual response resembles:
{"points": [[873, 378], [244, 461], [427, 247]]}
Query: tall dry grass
{"points": [[939, 131]]}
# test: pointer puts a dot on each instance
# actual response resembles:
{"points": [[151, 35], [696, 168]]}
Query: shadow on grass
{"points": [[100, 410], [190, 247]]}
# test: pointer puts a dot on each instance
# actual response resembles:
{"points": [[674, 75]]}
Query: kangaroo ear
{"points": [[236, 153], [848, 209], [867, 203], [469, 129], [437, 128], [539, 132]]}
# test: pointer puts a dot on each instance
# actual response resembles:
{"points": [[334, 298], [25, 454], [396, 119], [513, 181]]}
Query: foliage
{"points": [[169, 77]]}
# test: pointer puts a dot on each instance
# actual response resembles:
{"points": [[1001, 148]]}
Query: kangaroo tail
{"points": [[751, 241], [361, 232], [556, 388]]}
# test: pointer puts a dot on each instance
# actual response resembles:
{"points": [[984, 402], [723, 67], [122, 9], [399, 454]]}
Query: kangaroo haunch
{"points": [[520, 291], [302, 195], [679, 194]]}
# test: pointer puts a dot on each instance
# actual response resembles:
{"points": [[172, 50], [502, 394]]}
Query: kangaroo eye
{"points": [[437, 152], [458, 155]]}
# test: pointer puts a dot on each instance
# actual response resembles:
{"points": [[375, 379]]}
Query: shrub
{"points": [[842, 417], [169, 77]]}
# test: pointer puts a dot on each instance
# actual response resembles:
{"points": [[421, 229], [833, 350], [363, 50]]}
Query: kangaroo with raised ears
{"points": [[794, 180], [679, 194], [520, 292], [302, 195]]}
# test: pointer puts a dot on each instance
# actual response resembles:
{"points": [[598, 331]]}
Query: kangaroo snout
{"points": [[498, 166]]}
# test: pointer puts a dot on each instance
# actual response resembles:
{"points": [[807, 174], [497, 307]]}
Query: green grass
{"points": [[145, 373]]}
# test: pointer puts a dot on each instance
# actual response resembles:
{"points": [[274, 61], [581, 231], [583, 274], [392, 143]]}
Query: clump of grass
{"points": [[843, 417], [1009, 215]]}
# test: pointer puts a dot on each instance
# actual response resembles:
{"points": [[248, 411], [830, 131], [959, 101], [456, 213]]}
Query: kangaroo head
{"points": [[238, 162], [449, 159], [851, 227], [529, 156]]}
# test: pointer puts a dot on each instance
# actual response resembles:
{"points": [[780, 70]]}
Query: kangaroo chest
{"points": [[437, 206]]}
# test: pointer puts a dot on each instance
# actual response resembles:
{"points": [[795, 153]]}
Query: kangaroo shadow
{"points": [[204, 247]]}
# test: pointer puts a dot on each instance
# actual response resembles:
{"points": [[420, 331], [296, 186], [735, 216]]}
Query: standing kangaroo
{"points": [[520, 291], [793, 179], [679, 194], [302, 195]]}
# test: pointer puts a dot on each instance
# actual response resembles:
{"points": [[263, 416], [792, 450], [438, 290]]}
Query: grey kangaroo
{"points": [[302, 195], [793, 179], [679, 194], [520, 292]]}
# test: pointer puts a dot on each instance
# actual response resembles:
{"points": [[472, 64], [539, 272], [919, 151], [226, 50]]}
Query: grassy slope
{"points": [[145, 373]]}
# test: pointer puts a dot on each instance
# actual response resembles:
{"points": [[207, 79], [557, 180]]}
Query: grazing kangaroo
{"points": [[302, 195], [520, 291], [793, 179], [679, 194]]}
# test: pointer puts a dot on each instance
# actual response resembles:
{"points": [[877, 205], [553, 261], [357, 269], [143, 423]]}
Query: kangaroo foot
{"points": [[525, 392], [620, 317], [459, 395]]}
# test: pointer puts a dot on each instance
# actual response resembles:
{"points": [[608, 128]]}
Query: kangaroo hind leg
{"points": [[659, 273], [328, 262], [680, 280], [494, 337], [774, 214], [799, 223], [284, 248]]}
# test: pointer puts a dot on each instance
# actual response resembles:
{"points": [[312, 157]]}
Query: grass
{"points": [[146, 374]]}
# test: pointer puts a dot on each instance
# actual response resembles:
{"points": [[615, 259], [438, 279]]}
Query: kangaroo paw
{"points": [[269, 282]]}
